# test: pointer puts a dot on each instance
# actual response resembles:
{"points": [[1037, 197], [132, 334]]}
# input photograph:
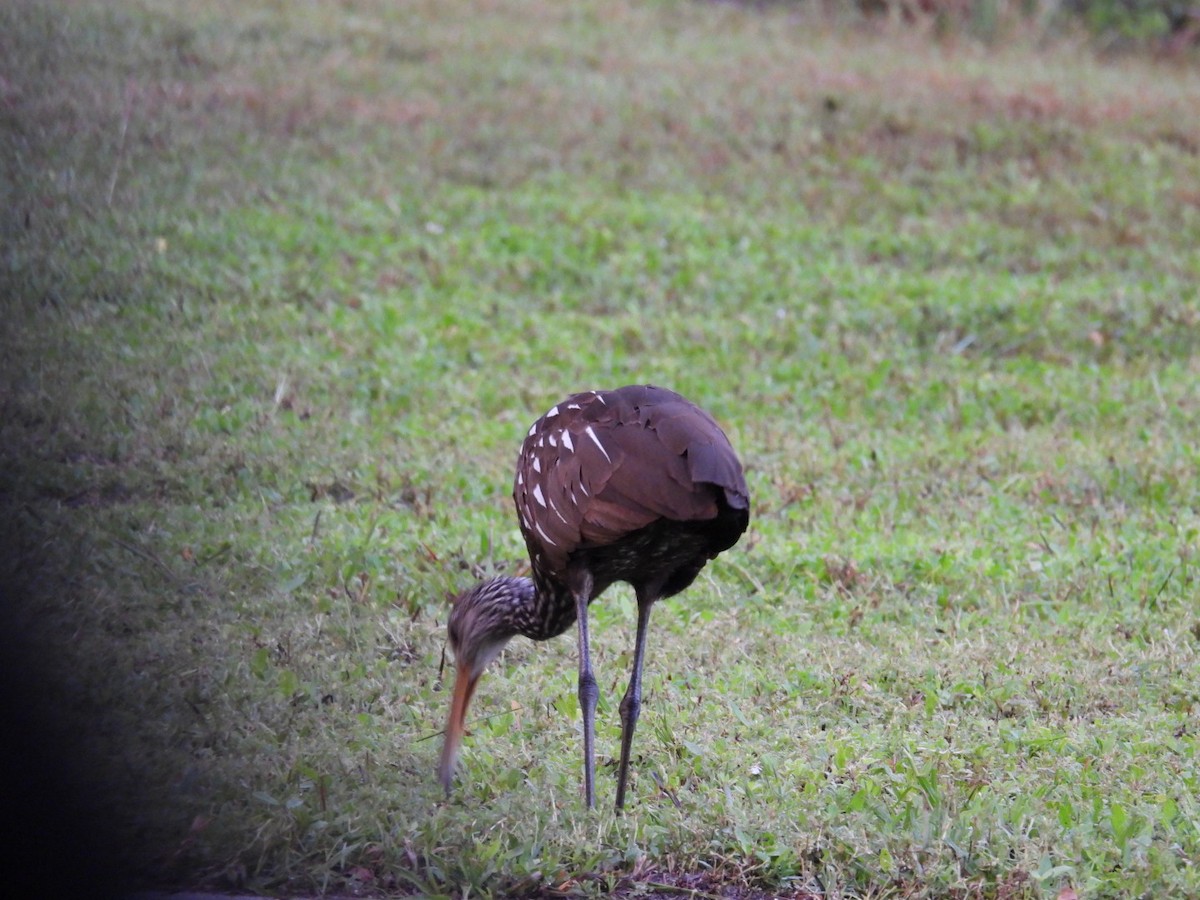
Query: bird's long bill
{"points": [[464, 689]]}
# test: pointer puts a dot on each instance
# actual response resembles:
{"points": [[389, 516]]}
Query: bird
{"points": [[634, 485]]}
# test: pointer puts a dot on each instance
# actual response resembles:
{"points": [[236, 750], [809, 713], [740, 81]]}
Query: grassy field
{"points": [[286, 283]]}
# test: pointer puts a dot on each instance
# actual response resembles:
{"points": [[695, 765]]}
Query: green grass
{"points": [[284, 289]]}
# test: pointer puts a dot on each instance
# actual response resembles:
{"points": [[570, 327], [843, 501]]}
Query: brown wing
{"points": [[601, 465]]}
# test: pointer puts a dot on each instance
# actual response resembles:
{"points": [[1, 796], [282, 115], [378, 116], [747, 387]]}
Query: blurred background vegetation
{"points": [[1167, 26]]}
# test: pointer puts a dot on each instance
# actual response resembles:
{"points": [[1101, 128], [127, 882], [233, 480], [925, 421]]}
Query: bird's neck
{"points": [[507, 597], [536, 608]]}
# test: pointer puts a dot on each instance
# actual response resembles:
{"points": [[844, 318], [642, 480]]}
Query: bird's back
{"points": [[629, 483]]}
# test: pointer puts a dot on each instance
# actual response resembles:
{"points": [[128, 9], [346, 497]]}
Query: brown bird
{"points": [[635, 485]]}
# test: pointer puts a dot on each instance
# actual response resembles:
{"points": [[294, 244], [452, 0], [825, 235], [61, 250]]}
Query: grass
{"points": [[285, 287]]}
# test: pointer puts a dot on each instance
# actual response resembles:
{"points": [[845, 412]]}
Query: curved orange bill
{"points": [[464, 689]]}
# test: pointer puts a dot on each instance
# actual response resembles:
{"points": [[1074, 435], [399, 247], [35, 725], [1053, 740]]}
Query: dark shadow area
{"points": [[56, 807]]}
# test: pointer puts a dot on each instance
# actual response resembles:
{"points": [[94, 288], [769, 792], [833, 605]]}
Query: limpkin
{"points": [[636, 485]]}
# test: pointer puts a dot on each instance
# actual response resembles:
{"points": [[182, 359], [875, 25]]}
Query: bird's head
{"points": [[481, 623]]}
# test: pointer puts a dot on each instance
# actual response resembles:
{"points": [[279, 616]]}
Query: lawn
{"points": [[285, 286]]}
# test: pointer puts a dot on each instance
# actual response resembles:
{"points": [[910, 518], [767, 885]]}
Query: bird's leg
{"points": [[589, 692], [631, 703]]}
